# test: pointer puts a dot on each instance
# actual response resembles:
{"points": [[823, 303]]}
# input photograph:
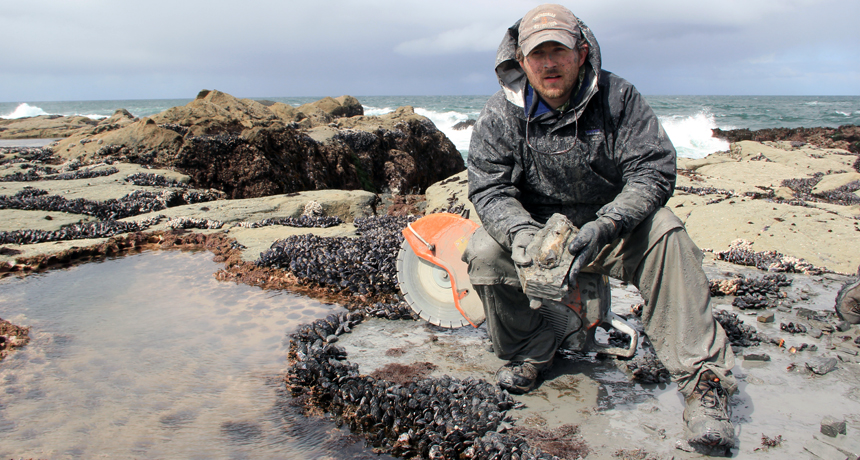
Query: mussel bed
{"points": [[429, 418]]}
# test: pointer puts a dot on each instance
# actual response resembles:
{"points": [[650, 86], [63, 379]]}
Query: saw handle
{"points": [[618, 323], [430, 246]]}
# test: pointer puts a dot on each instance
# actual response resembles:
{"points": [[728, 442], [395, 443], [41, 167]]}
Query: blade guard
{"points": [[441, 240]]}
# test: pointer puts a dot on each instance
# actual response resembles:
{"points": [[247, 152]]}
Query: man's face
{"points": [[552, 69]]}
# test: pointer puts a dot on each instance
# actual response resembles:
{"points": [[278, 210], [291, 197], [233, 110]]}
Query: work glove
{"points": [[592, 237], [521, 241]]}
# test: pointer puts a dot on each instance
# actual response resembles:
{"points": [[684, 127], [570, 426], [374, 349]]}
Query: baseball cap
{"points": [[545, 23]]}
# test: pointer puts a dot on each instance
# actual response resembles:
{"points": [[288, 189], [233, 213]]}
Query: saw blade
{"points": [[427, 289]]}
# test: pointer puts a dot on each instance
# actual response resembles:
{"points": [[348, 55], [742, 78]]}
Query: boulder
{"points": [[119, 119], [248, 149], [214, 112], [330, 108]]}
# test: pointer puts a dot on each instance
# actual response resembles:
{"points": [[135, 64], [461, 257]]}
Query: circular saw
{"points": [[432, 277]]}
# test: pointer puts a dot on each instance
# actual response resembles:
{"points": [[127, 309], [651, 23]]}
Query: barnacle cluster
{"points": [[751, 292], [365, 265], [428, 418], [843, 195], [37, 173], [177, 128], [740, 252], [153, 180], [647, 368], [739, 334], [702, 191], [135, 203], [792, 328], [301, 221], [101, 229], [25, 154], [193, 222]]}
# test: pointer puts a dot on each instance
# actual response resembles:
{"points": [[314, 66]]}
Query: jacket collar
{"points": [[535, 107]]}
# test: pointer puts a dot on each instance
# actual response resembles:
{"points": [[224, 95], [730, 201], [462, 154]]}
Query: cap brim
{"points": [[550, 35]]}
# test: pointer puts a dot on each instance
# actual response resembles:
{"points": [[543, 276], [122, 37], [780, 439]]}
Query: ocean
{"points": [[687, 119]]}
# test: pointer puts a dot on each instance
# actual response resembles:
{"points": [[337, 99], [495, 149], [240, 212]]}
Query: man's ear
{"points": [[583, 53]]}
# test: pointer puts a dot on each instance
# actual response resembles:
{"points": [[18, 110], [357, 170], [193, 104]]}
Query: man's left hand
{"points": [[592, 237]]}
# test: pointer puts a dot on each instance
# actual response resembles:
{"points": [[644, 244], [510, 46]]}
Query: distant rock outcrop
{"points": [[464, 125], [846, 137], [43, 126], [251, 149]]}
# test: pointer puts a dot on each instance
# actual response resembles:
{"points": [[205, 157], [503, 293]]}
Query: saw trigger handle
{"points": [[617, 322]]}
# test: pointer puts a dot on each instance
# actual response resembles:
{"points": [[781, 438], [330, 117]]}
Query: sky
{"points": [[69, 50]]}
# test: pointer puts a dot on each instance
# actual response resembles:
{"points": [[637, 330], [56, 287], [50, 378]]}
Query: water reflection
{"points": [[150, 356]]}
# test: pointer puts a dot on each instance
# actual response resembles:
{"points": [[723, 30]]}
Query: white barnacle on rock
{"points": [[313, 209], [191, 222]]}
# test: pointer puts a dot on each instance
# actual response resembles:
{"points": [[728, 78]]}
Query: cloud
{"points": [[113, 49], [472, 38], [766, 59]]}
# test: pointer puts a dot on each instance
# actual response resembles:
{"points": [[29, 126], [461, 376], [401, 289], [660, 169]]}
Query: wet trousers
{"points": [[658, 257]]}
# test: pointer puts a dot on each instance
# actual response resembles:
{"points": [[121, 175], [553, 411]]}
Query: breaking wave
{"points": [[25, 110], [692, 135]]}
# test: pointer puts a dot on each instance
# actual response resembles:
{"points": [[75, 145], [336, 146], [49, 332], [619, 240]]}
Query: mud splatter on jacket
{"points": [[615, 161]]}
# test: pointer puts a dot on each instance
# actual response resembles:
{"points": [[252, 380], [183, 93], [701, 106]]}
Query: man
{"points": [[564, 136]]}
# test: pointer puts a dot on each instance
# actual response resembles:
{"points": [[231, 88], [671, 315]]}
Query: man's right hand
{"points": [[518, 246]]}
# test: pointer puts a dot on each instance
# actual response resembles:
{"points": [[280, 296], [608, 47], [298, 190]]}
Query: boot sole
{"points": [[847, 314]]}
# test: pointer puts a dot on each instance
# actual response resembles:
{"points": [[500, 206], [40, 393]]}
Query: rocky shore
{"points": [[312, 199]]}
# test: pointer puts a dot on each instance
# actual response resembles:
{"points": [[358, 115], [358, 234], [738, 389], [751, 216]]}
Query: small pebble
{"points": [[766, 317], [822, 366], [842, 326], [832, 427]]}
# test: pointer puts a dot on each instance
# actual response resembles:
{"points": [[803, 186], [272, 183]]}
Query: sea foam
{"points": [[25, 110], [692, 135], [445, 121]]}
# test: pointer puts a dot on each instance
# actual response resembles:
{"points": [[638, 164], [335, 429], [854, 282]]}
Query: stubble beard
{"points": [[556, 90]]}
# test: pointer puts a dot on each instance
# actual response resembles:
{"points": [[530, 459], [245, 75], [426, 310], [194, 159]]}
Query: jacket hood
{"points": [[513, 79]]}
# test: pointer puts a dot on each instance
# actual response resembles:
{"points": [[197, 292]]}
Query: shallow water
{"points": [[148, 356]]}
